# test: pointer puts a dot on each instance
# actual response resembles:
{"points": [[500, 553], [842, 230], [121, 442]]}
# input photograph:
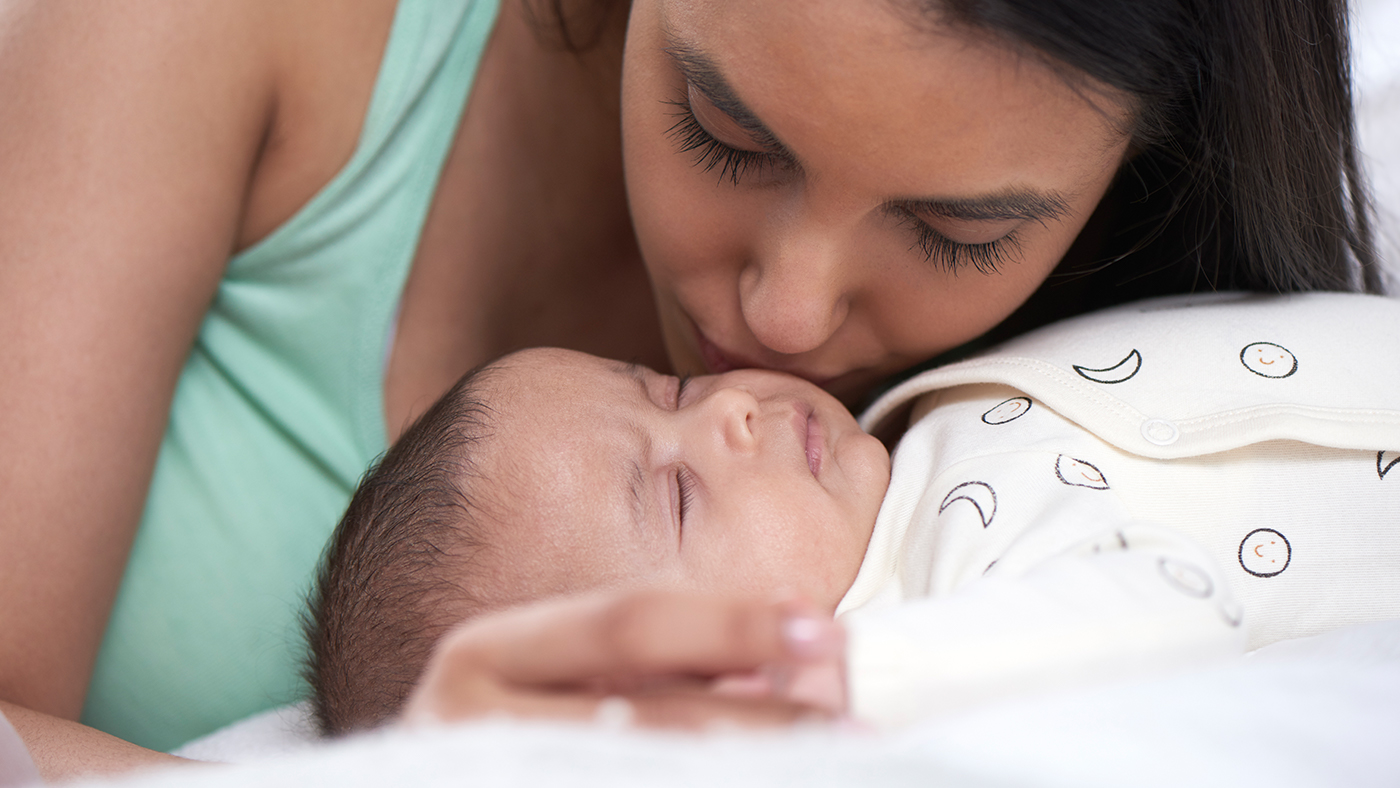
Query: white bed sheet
{"points": [[1323, 711]]}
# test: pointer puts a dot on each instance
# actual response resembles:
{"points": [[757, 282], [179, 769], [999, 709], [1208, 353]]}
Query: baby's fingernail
{"points": [[810, 637]]}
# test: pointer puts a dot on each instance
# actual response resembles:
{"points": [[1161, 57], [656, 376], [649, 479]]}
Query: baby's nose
{"points": [[736, 412]]}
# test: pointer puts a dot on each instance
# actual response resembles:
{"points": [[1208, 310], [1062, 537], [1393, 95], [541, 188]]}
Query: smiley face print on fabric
{"points": [[1268, 360], [1385, 461], [1265, 552], [1007, 410], [1078, 473]]}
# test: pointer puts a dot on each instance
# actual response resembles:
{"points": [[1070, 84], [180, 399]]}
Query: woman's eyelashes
{"points": [[709, 153], [735, 164], [986, 258]]}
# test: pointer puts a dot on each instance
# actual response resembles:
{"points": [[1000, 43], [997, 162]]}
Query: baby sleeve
{"points": [[1130, 600]]}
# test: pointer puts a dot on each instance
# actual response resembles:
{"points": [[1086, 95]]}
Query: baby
{"points": [[1127, 491]]}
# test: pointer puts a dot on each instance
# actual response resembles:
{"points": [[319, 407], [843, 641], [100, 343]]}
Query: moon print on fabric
{"points": [[1078, 473], [1117, 373], [1268, 360], [1265, 552], [1010, 410], [1187, 578], [1385, 460], [979, 494]]}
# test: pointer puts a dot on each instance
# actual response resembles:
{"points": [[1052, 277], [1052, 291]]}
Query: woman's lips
{"points": [[718, 362]]}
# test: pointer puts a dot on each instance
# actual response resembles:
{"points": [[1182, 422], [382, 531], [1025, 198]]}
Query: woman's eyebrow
{"points": [[702, 74], [1021, 204]]}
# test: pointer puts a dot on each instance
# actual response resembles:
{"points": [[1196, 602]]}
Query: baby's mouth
{"points": [[814, 444]]}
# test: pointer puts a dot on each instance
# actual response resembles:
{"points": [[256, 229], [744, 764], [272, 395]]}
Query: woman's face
{"points": [[838, 190]]}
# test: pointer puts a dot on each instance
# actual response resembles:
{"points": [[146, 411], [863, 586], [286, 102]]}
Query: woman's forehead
{"points": [[921, 107]]}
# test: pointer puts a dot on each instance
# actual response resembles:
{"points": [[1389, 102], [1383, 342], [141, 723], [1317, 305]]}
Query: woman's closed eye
{"points": [[710, 153], [986, 258]]}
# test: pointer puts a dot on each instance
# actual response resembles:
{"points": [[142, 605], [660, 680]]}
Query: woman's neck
{"points": [[529, 241]]}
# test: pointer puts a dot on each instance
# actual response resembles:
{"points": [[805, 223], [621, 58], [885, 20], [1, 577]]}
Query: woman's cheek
{"points": [[693, 231]]}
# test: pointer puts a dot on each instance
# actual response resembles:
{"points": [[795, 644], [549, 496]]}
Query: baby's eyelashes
{"points": [[683, 492], [679, 397]]}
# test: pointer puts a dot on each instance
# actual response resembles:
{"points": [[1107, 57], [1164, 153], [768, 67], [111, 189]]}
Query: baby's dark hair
{"points": [[388, 587]]}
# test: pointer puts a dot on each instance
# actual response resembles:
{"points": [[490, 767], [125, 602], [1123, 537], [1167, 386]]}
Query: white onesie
{"points": [[1128, 491]]}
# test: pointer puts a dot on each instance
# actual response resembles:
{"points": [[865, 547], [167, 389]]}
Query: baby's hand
{"points": [[654, 658]]}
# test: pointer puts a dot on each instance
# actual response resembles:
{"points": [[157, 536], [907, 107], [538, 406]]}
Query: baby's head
{"points": [[554, 472]]}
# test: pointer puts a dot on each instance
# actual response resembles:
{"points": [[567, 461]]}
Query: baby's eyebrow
{"points": [[636, 475], [638, 483], [638, 374]]}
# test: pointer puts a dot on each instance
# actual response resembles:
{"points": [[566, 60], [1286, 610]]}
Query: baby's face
{"points": [[610, 475]]}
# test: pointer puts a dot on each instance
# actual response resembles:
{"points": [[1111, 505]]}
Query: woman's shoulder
{"points": [[285, 82]]}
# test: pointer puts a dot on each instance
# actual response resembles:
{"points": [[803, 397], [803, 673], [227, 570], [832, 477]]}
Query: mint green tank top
{"points": [[278, 412]]}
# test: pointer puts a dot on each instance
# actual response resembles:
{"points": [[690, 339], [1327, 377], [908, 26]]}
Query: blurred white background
{"points": [[1376, 45]]}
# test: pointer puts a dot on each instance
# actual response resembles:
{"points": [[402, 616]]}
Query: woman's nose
{"points": [[794, 295], [733, 413]]}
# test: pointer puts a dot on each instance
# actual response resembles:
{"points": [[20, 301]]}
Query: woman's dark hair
{"points": [[387, 590], [572, 25], [1246, 174]]}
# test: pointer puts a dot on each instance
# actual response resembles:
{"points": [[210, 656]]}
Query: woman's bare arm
{"points": [[62, 749], [128, 131]]}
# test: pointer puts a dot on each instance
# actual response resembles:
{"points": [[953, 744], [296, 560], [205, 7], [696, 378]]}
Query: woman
{"points": [[242, 247]]}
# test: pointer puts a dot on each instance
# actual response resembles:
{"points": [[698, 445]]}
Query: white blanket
{"points": [[1324, 711]]}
